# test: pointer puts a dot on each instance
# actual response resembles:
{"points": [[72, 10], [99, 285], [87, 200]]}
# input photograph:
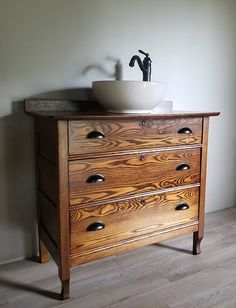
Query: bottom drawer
{"points": [[94, 227]]}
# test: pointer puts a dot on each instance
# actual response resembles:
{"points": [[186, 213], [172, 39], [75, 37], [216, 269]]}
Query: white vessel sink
{"points": [[128, 96]]}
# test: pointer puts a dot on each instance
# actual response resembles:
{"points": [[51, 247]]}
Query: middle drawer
{"points": [[100, 179]]}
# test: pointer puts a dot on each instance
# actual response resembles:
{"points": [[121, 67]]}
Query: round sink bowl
{"points": [[128, 96]]}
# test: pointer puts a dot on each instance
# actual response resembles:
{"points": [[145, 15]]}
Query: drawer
{"points": [[100, 179], [104, 136], [130, 219]]}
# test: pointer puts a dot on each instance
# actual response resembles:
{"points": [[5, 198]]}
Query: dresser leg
{"points": [[65, 289], [43, 252], [196, 243]]}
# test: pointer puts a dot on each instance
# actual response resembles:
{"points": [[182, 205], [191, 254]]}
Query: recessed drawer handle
{"points": [[95, 178], [96, 226], [95, 135], [182, 207], [183, 167], [185, 130]]}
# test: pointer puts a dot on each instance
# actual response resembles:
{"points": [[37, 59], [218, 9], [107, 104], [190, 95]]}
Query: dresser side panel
{"points": [[46, 136]]}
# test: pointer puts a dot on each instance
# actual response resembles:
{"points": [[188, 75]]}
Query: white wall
{"points": [[46, 45]]}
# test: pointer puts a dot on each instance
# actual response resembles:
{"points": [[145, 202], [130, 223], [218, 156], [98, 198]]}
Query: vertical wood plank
{"points": [[64, 267], [43, 251], [198, 236]]}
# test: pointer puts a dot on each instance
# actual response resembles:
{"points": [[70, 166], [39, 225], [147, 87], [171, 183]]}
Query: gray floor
{"points": [[163, 275]]}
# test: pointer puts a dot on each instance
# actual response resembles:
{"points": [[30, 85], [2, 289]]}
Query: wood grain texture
{"points": [[137, 202], [64, 268], [133, 134], [131, 174], [133, 243], [198, 236], [130, 219]]}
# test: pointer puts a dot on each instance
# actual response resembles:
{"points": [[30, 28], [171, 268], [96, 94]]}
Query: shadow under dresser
{"points": [[109, 183]]}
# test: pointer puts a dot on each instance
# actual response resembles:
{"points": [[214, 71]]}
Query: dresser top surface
{"points": [[88, 110]]}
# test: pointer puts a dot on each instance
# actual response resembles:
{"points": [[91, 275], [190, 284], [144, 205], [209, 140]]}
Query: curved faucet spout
{"points": [[136, 58], [145, 65]]}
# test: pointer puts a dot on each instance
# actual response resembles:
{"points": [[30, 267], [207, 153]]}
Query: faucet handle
{"points": [[144, 53]]}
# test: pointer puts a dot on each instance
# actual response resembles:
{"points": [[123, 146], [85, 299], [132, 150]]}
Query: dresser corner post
{"points": [[43, 252], [65, 289], [198, 235], [196, 243], [64, 264]]}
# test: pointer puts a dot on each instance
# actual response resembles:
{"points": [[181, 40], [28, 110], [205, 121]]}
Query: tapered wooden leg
{"points": [[196, 243], [43, 252], [65, 289]]}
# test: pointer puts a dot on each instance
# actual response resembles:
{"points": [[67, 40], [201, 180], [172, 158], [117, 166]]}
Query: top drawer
{"points": [[96, 136]]}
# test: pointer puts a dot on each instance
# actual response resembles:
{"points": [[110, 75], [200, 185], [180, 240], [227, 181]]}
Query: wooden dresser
{"points": [[109, 183]]}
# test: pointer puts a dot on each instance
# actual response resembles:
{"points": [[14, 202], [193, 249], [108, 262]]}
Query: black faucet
{"points": [[145, 66]]}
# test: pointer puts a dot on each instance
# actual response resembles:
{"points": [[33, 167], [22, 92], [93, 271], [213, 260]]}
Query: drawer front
{"points": [[91, 137], [104, 225], [101, 179]]}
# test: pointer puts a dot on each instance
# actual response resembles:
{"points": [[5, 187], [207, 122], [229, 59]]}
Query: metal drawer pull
{"points": [[183, 167], [182, 207], [95, 178], [145, 123], [96, 226], [185, 130], [95, 135]]}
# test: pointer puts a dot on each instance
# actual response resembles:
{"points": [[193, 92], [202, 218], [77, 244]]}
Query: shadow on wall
{"points": [[18, 192], [70, 94], [17, 218]]}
